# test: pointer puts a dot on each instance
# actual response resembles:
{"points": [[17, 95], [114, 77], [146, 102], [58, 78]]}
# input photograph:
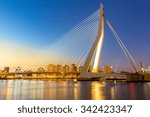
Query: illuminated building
{"points": [[79, 68], [147, 70], [73, 68], [107, 69], [66, 68], [6, 69], [51, 68], [1, 71], [59, 68]]}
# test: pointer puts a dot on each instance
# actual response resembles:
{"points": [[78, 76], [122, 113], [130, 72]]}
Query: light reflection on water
{"points": [[69, 90]]}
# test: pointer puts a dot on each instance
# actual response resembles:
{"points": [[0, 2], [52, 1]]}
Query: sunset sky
{"points": [[28, 26]]}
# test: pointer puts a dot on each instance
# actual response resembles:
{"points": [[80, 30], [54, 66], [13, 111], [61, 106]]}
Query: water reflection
{"points": [[97, 91], [67, 89]]}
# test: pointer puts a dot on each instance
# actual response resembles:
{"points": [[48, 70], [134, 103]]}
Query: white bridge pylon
{"points": [[95, 52]]}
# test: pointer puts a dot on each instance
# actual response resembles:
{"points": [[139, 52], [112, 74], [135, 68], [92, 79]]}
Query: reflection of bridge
{"points": [[93, 58]]}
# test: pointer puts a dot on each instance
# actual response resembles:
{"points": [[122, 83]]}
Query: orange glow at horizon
{"points": [[14, 55]]}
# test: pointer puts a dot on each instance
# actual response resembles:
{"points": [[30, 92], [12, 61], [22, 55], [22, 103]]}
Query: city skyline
{"points": [[27, 29]]}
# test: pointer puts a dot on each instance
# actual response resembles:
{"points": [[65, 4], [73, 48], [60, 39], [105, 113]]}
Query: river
{"points": [[70, 90]]}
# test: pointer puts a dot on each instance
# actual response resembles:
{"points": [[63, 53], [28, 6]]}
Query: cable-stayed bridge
{"points": [[82, 46]]}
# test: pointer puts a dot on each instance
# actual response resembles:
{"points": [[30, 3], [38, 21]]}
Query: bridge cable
{"points": [[70, 34], [126, 52]]}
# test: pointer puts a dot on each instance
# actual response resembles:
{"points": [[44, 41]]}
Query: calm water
{"points": [[67, 89]]}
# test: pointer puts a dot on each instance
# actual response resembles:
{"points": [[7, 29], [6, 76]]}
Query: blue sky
{"points": [[36, 23]]}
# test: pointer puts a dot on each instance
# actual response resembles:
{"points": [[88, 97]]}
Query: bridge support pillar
{"points": [[95, 52]]}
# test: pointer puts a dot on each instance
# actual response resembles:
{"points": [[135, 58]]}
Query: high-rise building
{"points": [[66, 68], [59, 68], [6, 69], [79, 68], [51, 68], [107, 69], [73, 68]]}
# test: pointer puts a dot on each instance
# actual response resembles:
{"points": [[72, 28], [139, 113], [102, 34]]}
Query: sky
{"points": [[27, 26]]}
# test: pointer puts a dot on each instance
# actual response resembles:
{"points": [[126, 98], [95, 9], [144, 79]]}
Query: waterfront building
{"points": [[79, 68], [59, 68], [51, 68], [73, 68], [147, 70], [107, 69], [6, 69], [66, 68], [1, 71]]}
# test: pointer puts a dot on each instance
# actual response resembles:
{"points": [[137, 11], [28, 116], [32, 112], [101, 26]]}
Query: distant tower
{"points": [[95, 52]]}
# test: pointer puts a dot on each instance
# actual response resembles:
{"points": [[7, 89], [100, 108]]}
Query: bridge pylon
{"points": [[95, 52]]}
